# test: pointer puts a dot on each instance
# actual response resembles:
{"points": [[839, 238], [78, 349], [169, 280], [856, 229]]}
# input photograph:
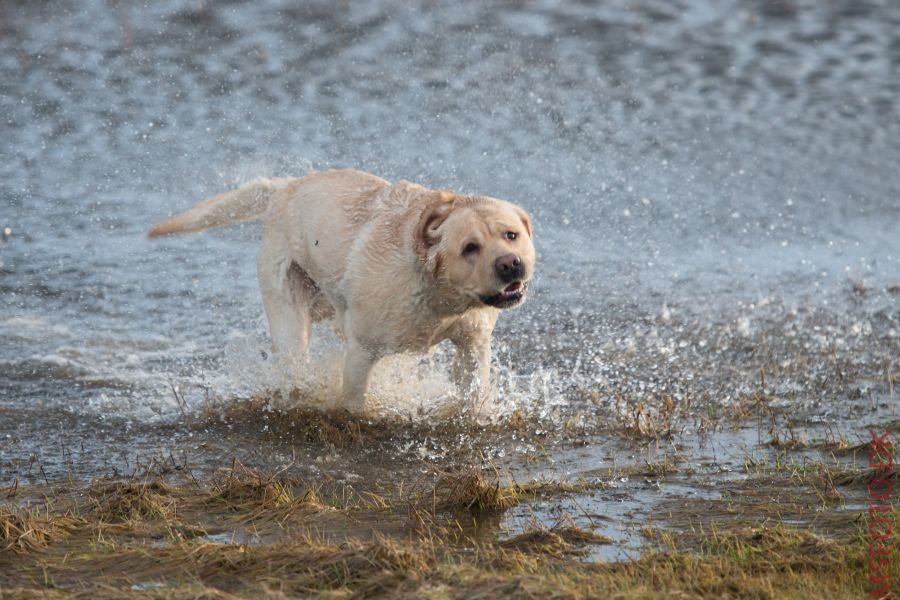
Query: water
{"points": [[706, 179]]}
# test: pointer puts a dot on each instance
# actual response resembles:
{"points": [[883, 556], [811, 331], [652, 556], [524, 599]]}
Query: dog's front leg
{"points": [[358, 363], [472, 370]]}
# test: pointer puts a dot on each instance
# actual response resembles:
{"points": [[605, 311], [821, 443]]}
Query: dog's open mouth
{"points": [[510, 296]]}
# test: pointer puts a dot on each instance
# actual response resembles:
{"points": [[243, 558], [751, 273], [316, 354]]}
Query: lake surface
{"points": [[706, 178]]}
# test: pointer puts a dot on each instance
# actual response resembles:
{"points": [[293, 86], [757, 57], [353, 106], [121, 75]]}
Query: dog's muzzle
{"points": [[511, 295]]}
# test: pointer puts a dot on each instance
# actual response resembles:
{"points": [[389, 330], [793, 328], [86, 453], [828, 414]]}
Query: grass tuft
{"points": [[863, 476], [470, 491], [248, 489], [121, 502], [557, 541], [21, 532]]}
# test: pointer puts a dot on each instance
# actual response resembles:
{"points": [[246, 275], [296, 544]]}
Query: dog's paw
{"points": [[360, 408]]}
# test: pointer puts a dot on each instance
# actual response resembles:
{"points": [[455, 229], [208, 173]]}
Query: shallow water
{"points": [[713, 186]]}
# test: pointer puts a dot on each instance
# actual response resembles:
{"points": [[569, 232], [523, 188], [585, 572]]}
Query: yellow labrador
{"points": [[398, 267]]}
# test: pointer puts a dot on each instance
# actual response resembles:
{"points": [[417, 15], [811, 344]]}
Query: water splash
{"points": [[410, 386]]}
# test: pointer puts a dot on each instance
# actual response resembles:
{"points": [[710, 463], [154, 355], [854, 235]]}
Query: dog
{"points": [[395, 267]]}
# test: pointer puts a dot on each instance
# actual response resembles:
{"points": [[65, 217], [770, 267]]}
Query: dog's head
{"points": [[478, 248]]}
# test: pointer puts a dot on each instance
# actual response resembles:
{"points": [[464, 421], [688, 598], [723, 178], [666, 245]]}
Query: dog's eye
{"points": [[511, 235], [471, 248]]}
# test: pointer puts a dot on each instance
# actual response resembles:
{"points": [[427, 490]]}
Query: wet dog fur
{"points": [[395, 267]]}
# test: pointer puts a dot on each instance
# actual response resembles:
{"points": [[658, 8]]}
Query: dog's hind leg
{"points": [[283, 300], [309, 303]]}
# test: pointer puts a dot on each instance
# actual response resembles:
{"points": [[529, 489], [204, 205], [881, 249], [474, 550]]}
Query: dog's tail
{"points": [[243, 204]]}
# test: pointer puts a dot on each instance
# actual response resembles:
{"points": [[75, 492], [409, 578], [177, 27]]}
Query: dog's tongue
{"points": [[512, 287]]}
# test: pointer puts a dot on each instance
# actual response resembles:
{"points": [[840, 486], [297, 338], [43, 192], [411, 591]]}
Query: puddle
{"points": [[236, 537]]}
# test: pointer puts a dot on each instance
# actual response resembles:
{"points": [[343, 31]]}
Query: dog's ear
{"points": [[436, 212], [526, 220]]}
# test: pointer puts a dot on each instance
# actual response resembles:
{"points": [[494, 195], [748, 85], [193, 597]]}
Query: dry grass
{"points": [[251, 496], [558, 541], [21, 531], [651, 421], [242, 487], [804, 496], [843, 448], [863, 477], [341, 430], [149, 555], [752, 563], [119, 502], [471, 492], [337, 428]]}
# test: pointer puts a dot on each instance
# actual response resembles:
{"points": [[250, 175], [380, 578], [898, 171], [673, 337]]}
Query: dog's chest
{"points": [[423, 333]]}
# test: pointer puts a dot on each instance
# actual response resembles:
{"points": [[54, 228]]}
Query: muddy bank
{"points": [[781, 529]]}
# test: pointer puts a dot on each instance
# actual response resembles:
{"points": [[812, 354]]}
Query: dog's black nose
{"points": [[509, 268]]}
